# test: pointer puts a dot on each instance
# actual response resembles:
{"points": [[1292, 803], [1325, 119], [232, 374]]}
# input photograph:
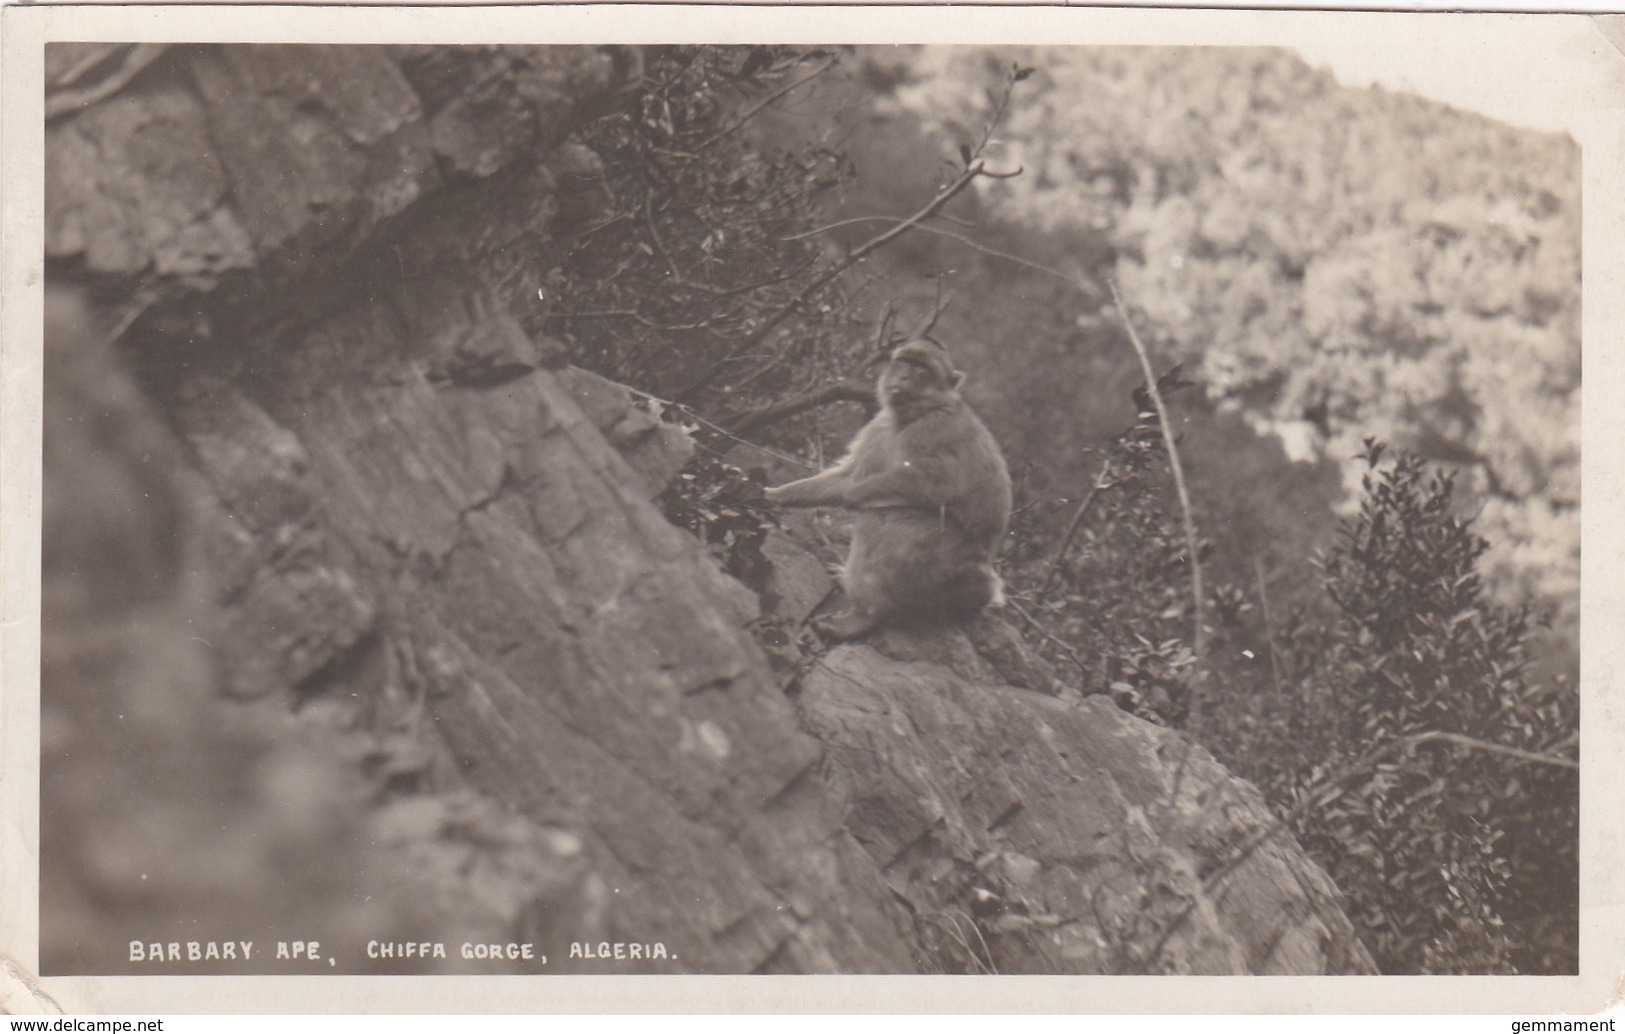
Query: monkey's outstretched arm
{"points": [[826, 489], [908, 484]]}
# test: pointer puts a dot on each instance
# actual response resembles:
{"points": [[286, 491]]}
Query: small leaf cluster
{"points": [[724, 507]]}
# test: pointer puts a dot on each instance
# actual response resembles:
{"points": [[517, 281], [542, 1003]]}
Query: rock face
{"points": [[1033, 834], [431, 564]]}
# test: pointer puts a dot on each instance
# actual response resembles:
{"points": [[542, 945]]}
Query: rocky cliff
{"points": [[401, 649]]}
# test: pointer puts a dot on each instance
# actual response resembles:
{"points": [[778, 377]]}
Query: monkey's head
{"points": [[919, 378]]}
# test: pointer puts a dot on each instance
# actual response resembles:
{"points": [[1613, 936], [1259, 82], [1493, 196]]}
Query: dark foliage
{"points": [[1454, 858], [1117, 606], [723, 507], [1434, 847], [685, 274]]}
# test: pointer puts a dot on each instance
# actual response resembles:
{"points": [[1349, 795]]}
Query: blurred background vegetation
{"points": [[1375, 302]]}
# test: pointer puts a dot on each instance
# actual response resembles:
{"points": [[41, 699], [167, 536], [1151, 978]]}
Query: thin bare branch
{"points": [[883, 327], [1032, 622], [1199, 637], [688, 413], [938, 307], [757, 108], [1087, 288], [946, 921], [636, 317], [1269, 623], [1077, 519], [92, 56], [975, 167], [850, 390], [827, 227], [818, 283], [998, 114], [654, 235]]}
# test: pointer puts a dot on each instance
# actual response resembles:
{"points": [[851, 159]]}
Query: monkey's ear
{"points": [[956, 378]]}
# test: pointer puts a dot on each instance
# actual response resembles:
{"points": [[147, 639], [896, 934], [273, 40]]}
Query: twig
{"points": [[1088, 289], [756, 109], [1071, 654], [883, 328], [849, 390], [724, 292], [1488, 747], [1179, 773], [929, 321], [688, 412], [660, 245], [637, 317], [947, 194], [714, 291], [1082, 285], [1199, 639], [1072, 525], [975, 167], [585, 232], [863, 251], [1269, 623]]}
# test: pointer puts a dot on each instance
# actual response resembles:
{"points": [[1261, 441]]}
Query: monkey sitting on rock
{"points": [[932, 496]]}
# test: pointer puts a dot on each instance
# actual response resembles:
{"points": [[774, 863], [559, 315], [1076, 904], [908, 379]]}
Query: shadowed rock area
{"points": [[401, 648]]}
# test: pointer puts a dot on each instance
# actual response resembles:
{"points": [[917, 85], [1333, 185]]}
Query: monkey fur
{"points": [[932, 496]]}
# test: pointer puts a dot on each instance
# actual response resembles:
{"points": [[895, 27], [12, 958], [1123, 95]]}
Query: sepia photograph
{"points": [[741, 507]]}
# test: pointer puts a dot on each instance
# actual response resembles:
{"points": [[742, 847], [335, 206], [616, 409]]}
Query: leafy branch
{"points": [[852, 258], [975, 167]]}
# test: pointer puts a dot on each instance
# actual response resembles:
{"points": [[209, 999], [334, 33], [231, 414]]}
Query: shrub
{"points": [[1456, 854], [1432, 843], [1117, 607]]}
